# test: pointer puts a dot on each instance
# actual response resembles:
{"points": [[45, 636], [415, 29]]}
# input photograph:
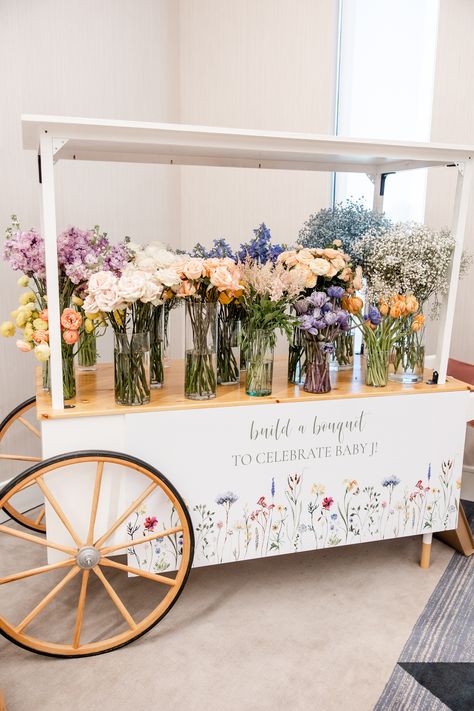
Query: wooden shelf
{"points": [[95, 392]]}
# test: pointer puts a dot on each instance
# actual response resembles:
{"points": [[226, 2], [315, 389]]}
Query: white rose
{"points": [[145, 263], [108, 300], [90, 305], [153, 292], [101, 281], [132, 285], [194, 268], [168, 277], [319, 266]]}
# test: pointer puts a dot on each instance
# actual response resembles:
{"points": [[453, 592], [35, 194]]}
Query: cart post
{"points": [[48, 204]]}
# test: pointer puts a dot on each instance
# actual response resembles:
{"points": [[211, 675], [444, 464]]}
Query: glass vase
{"points": [[87, 354], [343, 355], [167, 308], [318, 357], [297, 358], [407, 361], [259, 373], [200, 378], [132, 368], [376, 363], [228, 345], [69, 380], [156, 347]]}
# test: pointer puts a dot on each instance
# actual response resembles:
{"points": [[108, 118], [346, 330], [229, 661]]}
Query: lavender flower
{"points": [[335, 292], [374, 316], [24, 250], [318, 298], [273, 487], [330, 318]]}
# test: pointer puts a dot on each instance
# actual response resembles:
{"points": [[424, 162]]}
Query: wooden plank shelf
{"points": [[95, 392]]}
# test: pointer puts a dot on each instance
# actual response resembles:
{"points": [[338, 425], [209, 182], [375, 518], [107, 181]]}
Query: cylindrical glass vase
{"points": [[228, 346], [407, 362], [132, 368], [318, 355], [297, 358], [69, 380], [156, 347], [343, 354], [376, 364], [200, 378], [259, 373], [87, 354]]}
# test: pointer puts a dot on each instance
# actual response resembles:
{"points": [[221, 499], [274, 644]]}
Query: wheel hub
{"points": [[87, 557]]}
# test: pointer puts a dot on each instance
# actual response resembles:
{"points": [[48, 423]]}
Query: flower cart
{"points": [[128, 498]]}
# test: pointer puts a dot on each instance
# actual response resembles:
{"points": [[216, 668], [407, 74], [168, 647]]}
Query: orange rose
{"points": [[71, 319], [418, 323], [70, 337]]}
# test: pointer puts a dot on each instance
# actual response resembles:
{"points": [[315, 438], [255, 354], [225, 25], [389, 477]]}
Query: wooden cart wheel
{"points": [[83, 602], [15, 422]]}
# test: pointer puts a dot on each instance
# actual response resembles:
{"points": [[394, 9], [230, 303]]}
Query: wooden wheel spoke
{"points": [[44, 488], [36, 539], [115, 599], [37, 571], [126, 514], [47, 599], [139, 541], [30, 427], [136, 571], [76, 640], [20, 457], [95, 502], [40, 517]]}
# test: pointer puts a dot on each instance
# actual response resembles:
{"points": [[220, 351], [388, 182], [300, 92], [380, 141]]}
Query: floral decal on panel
{"points": [[300, 516]]}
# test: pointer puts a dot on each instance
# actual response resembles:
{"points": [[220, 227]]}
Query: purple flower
{"points": [[374, 315], [24, 252], [335, 292], [302, 306], [330, 317], [318, 298], [260, 249]]}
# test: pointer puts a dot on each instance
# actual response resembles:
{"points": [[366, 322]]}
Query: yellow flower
{"points": [[350, 484], [77, 301], [28, 332], [40, 325], [318, 489], [15, 313], [7, 329], [118, 318], [22, 318], [224, 298], [26, 298], [23, 281], [94, 316], [42, 352], [458, 483], [88, 325]]}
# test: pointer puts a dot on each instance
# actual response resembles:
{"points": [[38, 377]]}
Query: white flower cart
{"points": [[247, 477]]}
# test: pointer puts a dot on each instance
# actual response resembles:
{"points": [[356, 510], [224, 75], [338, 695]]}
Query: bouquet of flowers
{"points": [[205, 283], [269, 289], [346, 222], [321, 320], [156, 258]]}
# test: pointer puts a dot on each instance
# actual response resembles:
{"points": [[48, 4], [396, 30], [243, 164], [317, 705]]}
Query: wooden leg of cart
{"points": [[426, 550]]}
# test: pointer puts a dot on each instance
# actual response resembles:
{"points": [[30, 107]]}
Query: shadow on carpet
{"points": [[435, 671]]}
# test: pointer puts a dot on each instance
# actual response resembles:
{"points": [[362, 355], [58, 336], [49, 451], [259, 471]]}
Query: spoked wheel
{"points": [[64, 595], [18, 433]]}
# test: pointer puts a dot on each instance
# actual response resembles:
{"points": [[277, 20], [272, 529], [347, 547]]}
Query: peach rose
{"points": [[339, 262], [320, 266], [40, 336], [346, 275], [397, 309], [305, 256], [186, 289], [70, 337], [331, 253], [194, 268], [221, 278], [289, 258], [353, 304], [71, 320]]}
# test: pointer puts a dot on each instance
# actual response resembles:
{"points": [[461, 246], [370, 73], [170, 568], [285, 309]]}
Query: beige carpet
{"points": [[312, 631]]}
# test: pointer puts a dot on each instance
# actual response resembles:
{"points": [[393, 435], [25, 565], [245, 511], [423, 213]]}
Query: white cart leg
{"points": [[377, 204], [426, 550]]}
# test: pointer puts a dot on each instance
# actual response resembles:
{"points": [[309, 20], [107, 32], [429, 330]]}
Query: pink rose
{"points": [[194, 268], [71, 319], [70, 337]]}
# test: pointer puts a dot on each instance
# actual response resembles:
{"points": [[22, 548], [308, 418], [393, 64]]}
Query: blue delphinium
{"points": [[220, 249], [260, 249], [391, 481], [346, 221]]}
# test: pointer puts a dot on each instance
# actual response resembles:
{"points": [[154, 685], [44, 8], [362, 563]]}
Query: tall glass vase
{"points": [[259, 352], [376, 361], [156, 347], [87, 354], [69, 380], [132, 368], [297, 358], [200, 379], [343, 355], [317, 379], [228, 345]]}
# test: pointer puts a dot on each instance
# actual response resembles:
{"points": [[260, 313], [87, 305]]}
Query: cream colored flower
{"points": [[22, 318], [7, 329], [42, 352], [318, 489], [23, 281], [320, 266], [27, 297]]}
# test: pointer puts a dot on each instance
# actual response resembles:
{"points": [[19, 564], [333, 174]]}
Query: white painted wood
{"points": [[377, 205], [204, 145], [51, 261], [428, 538], [460, 212]]}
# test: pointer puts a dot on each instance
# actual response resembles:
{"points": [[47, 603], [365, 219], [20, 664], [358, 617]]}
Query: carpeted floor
{"points": [[435, 671], [319, 630]]}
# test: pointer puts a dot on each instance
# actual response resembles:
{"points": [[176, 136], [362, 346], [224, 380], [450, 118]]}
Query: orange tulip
{"points": [[411, 303], [397, 309], [353, 304], [383, 308], [418, 323]]}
